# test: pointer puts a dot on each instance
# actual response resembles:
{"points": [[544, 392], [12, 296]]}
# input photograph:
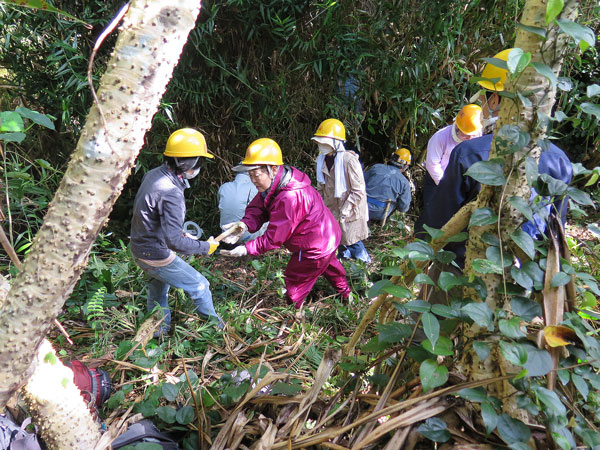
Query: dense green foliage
{"points": [[278, 68]]}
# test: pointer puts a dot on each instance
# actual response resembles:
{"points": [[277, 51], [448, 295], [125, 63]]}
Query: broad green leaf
{"points": [[592, 90], [512, 430], [116, 400], [36, 117], [545, 71], [539, 362], [493, 254], [482, 217], [476, 395], [577, 32], [490, 417], [525, 308], [448, 280], [514, 353], [537, 275], [393, 332], [531, 170], [581, 385], [166, 414], [565, 84], [392, 271], [594, 228], [553, 9], [589, 301], [490, 239], [560, 279], [377, 288], [423, 278], [511, 139], [482, 349], [286, 388], [397, 291], [486, 266], [431, 326], [443, 346], [185, 415], [524, 100], [434, 429], [550, 400], [541, 32], [581, 197], [236, 391], [480, 313], [591, 108], [524, 241], [458, 237], [435, 233], [170, 391], [417, 306], [12, 137], [443, 311], [524, 402], [11, 121], [432, 375], [547, 185], [374, 345], [559, 116], [511, 328], [521, 277], [488, 172], [445, 257], [417, 251], [518, 60]]}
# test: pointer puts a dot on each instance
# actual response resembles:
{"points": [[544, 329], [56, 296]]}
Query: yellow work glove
{"points": [[213, 245]]}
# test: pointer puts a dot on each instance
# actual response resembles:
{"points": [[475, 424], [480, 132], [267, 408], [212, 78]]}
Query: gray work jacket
{"points": [[158, 216]]}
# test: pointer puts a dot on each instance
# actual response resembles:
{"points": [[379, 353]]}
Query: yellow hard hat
{"points": [[187, 143], [402, 156], [468, 119], [263, 152], [332, 128], [496, 76]]}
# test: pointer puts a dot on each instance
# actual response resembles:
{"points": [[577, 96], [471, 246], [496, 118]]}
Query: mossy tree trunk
{"points": [[148, 47], [541, 93]]}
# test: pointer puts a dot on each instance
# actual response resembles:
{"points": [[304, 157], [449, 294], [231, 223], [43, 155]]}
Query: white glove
{"points": [[238, 251], [241, 228]]}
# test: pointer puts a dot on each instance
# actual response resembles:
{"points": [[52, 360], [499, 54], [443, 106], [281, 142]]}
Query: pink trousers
{"points": [[301, 275]]}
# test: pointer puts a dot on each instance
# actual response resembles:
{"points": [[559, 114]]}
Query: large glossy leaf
{"points": [[397, 291], [511, 328], [550, 400], [578, 32], [581, 385], [391, 333], [511, 139], [443, 346], [486, 266], [538, 362], [488, 172], [417, 306], [423, 278], [525, 307], [481, 314], [166, 413], [521, 277], [581, 197], [514, 353], [185, 415], [36, 117], [553, 9], [434, 429], [517, 60], [431, 327], [524, 241], [592, 90], [170, 391], [432, 374], [482, 217], [482, 349], [448, 280], [513, 430], [541, 32], [490, 417], [11, 121], [545, 71]]}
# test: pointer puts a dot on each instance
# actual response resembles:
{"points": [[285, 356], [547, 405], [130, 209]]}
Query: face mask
{"points": [[324, 149], [455, 135], [489, 121], [194, 174]]}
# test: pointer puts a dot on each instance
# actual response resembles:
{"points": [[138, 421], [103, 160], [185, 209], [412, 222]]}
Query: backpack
{"points": [[144, 431], [14, 437], [95, 384]]}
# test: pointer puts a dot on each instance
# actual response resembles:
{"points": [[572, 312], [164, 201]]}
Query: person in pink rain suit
{"points": [[298, 220]]}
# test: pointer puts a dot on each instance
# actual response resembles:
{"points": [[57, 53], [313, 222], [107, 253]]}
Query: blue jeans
{"points": [[356, 251], [178, 274]]}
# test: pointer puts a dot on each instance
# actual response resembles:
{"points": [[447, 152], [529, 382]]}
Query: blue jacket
{"points": [[386, 182], [158, 216], [455, 189]]}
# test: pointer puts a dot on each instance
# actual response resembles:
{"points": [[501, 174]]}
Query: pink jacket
{"points": [[297, 216]]}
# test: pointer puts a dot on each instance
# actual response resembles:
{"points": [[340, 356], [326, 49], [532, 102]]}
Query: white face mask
{"points": [[455, 135], [324, 149], [194, 174]]}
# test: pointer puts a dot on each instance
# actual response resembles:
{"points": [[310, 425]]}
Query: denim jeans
{"points": [[178, 274], [356, 251]]}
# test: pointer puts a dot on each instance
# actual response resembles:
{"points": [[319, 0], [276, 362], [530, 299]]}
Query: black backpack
{"points": [[144, 431]]}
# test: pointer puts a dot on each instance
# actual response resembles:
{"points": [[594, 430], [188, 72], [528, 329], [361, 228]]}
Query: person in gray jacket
{"points": [[157, 230], [387, 187]]}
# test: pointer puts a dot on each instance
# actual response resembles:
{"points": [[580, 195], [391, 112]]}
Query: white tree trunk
{"points": [[148, 48]]}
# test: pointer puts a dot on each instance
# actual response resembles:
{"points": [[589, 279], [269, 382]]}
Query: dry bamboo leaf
{"points": [[554, 297], [237, 430], [398, 439], [560, 336], [267, 440]]}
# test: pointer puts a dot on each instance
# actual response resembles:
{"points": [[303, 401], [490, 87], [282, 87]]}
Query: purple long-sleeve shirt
{"points": [[439, 149]]}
